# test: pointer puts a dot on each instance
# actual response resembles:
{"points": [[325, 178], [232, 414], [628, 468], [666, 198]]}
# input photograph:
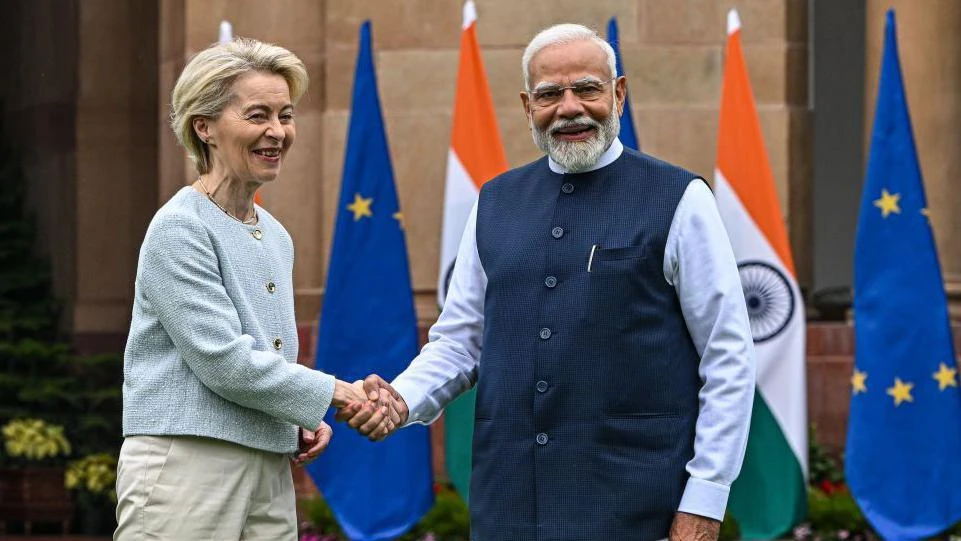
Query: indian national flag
{"points": [[476, 155], [770, 495]]}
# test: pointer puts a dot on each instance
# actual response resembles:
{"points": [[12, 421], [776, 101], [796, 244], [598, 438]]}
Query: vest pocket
{"points": [[616, 254], [643, 438], [616, 263], [616, 283]]}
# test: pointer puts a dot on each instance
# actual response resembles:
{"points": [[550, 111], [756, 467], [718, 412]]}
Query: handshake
{"points": [[371, 406]]}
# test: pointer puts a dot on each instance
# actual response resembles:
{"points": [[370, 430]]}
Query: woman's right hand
{"points": [[348, 393]]}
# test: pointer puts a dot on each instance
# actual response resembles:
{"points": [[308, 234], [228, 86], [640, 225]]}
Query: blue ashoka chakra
{"points": [[769, 298]]}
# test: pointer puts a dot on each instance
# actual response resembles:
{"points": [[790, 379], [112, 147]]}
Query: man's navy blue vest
{"points": [[587, 385]]}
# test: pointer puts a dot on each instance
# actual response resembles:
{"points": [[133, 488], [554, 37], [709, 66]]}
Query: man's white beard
{"points": [[578, 156]]}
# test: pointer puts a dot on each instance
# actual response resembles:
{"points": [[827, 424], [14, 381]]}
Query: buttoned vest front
{"points": [[587, 384]]}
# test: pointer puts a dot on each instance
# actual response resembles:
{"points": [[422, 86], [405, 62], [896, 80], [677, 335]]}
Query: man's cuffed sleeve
{"points": [[700, 263], [705, 498]]}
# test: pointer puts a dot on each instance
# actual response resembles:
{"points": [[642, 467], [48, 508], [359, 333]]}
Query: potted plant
{"points": [[32, 474], [92, 479]]}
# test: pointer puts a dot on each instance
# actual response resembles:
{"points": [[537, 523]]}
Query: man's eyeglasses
{"points": [[548, 95]]}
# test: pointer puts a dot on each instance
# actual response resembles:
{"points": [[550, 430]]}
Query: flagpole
{"points": [[628, 135], [226, 32]]}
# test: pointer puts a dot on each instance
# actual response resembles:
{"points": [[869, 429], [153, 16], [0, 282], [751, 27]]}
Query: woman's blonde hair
{"points": [[203, 88]]}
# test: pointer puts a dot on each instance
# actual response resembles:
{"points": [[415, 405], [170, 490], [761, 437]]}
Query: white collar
{"points": [[612, 153]]}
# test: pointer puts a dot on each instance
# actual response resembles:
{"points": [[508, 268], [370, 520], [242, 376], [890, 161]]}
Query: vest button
{"points": [[541, 386], [257, 234], [278, 343], [550, 281], [545, 333], [542, 439], [567, 187], [557, 232], [271, 287]]}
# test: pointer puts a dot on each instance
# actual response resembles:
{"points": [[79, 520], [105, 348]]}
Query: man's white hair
{"points": [[561, 34]]}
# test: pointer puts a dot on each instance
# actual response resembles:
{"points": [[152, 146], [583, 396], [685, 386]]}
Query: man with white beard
{"points": [[596, 305]]}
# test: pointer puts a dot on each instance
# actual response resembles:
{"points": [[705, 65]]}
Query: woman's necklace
{"points": [[249, 221]]}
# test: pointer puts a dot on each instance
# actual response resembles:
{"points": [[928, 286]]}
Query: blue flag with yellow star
{"points": [[903, 456], [368, 325], [627, 135]]}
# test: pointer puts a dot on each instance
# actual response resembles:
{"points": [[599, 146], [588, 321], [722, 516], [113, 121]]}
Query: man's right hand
{"points": [[380, 423], [688, 527]]}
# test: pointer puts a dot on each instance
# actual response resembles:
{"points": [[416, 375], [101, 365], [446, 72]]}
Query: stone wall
{"points": [[673, 58], [90, 107]]}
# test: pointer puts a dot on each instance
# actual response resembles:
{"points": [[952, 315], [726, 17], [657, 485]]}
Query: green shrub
{"points": [[729, 529], [829, 513], [319, 519], [447, 520]]}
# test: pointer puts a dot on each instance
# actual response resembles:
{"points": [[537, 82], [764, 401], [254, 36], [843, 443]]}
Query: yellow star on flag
{"points": [[858, 381], [399, 216], [361, 207], [945, 377], [901, 392], [888, 203]]}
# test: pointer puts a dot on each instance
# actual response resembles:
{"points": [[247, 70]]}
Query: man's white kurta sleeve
{"points": [[447, 365], [700, 264]]}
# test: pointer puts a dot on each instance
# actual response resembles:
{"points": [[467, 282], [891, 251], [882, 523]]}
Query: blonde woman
{"points": [[214, 400]]}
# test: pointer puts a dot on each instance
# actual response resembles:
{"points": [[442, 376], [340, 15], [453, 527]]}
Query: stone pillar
{"points": [[173, 168], [116, 161], [38, 98], [930, 53]]}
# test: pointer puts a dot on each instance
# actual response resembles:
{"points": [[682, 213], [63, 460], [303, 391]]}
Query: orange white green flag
{"points": [[476, 155], [770, 495]]}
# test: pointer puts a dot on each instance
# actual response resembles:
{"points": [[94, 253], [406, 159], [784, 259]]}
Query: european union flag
{"points": [[368, 325], [904, 441], [627, 136]]}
